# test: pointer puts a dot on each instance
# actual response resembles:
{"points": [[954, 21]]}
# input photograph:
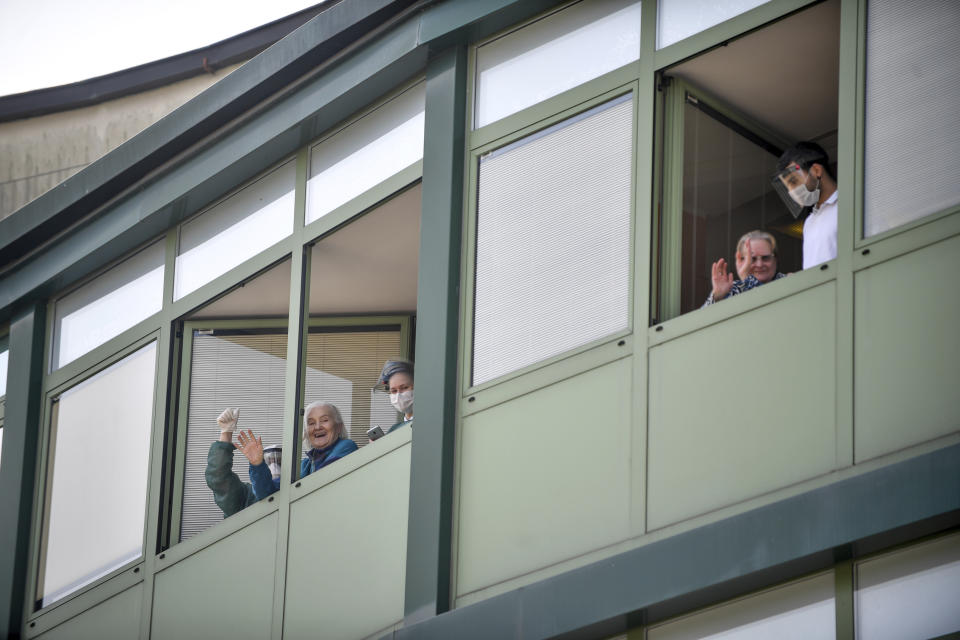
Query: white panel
{"points": [[108, 304], [798, 611], [679, 19], [554, 54], [98, 484], [238, 228], [912, 133], [910, 594], [366, 153], [553, 241]]}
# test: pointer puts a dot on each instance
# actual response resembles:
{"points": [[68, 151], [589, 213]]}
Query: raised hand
{"points": [[228, 419], [250, 446], [722, 280], [744, 260]]}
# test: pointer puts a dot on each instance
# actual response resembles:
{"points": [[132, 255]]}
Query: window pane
{"points": [[4, 358], [97, 476], [910, 593], [553, 241], [342, 369], [238, 228], [366, 153], [108, 305], [726, 193], [797, 611], [679, 19], [239, 368], [913, 62], [554, 54]]}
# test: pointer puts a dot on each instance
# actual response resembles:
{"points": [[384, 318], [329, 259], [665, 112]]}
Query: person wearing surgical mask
{"points": [[805, 183], [397, 377]]}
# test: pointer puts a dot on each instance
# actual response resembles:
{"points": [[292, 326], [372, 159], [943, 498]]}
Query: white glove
{"points": [[228, 419]]}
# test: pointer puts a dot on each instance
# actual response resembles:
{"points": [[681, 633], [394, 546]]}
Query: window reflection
{"points": [[366, 153], [238, 228], [108, 305]]}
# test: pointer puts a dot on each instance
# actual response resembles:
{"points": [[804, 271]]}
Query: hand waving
{"points": [[722, 279], [250, 446]]}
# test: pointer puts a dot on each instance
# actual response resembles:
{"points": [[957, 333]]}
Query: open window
{"points": [[363, 296], [725, 116], [233, 354]]}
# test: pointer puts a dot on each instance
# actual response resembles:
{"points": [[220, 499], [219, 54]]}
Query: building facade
{"points": [[525, 198]]}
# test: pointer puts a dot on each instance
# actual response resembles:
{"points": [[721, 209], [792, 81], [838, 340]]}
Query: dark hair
{"points": [[805, 154]]}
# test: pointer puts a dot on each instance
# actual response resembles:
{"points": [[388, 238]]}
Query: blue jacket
{"points": [[264, 484]]}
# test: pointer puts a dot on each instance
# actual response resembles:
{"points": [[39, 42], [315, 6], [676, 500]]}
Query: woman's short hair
{"points": [[757, 234], [341, 431]]}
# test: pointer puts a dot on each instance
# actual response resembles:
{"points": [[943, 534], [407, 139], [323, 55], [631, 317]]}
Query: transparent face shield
{"points": [[271, 456], [791, 185]]}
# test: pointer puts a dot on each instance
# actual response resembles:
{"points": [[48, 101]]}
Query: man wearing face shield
{"points": [[397, 377], [805, 183]]}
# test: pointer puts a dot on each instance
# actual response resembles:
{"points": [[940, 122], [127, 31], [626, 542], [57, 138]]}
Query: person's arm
{"points": [[263, 482], [229, 492]]}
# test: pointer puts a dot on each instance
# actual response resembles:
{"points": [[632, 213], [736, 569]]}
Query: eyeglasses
{"points": [[766, 259]]}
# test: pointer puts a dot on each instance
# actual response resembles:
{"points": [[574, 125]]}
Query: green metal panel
{"points": [[118, 617], [544, 477], [348, 537], [18, 467], [714, 562], [907, 356], [438, 276], [742, 407], [224, 591]]}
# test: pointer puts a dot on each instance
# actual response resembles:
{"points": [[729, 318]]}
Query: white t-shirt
{"points": [[820, 233]]}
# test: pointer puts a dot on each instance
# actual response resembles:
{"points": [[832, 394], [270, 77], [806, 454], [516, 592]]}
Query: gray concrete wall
{"points": [[36, 154]]}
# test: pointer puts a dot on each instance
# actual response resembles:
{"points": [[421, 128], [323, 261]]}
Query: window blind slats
{"points": [[553, 242]]}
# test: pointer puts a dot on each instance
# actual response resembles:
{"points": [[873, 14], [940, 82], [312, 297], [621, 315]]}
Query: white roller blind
{"points": [[553, 241], [912, 137]]}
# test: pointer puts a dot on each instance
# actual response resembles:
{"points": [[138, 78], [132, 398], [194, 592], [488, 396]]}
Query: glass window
{"points": [[235, 355], [235, 229], [554, 54], [243, 368], [553, 241], [366, 268], [728, 117], [108, 305], [343, 364], [679, 19], [910, 593], [726, 193], [366, 153], [4, 359], [797, 611], [97, 472], [913, 61]]}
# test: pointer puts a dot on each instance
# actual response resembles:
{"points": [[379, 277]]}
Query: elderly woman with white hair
{"points": [[324, 442]]}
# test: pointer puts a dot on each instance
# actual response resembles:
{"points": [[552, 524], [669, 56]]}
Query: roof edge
{"points": [[157, 73]]}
